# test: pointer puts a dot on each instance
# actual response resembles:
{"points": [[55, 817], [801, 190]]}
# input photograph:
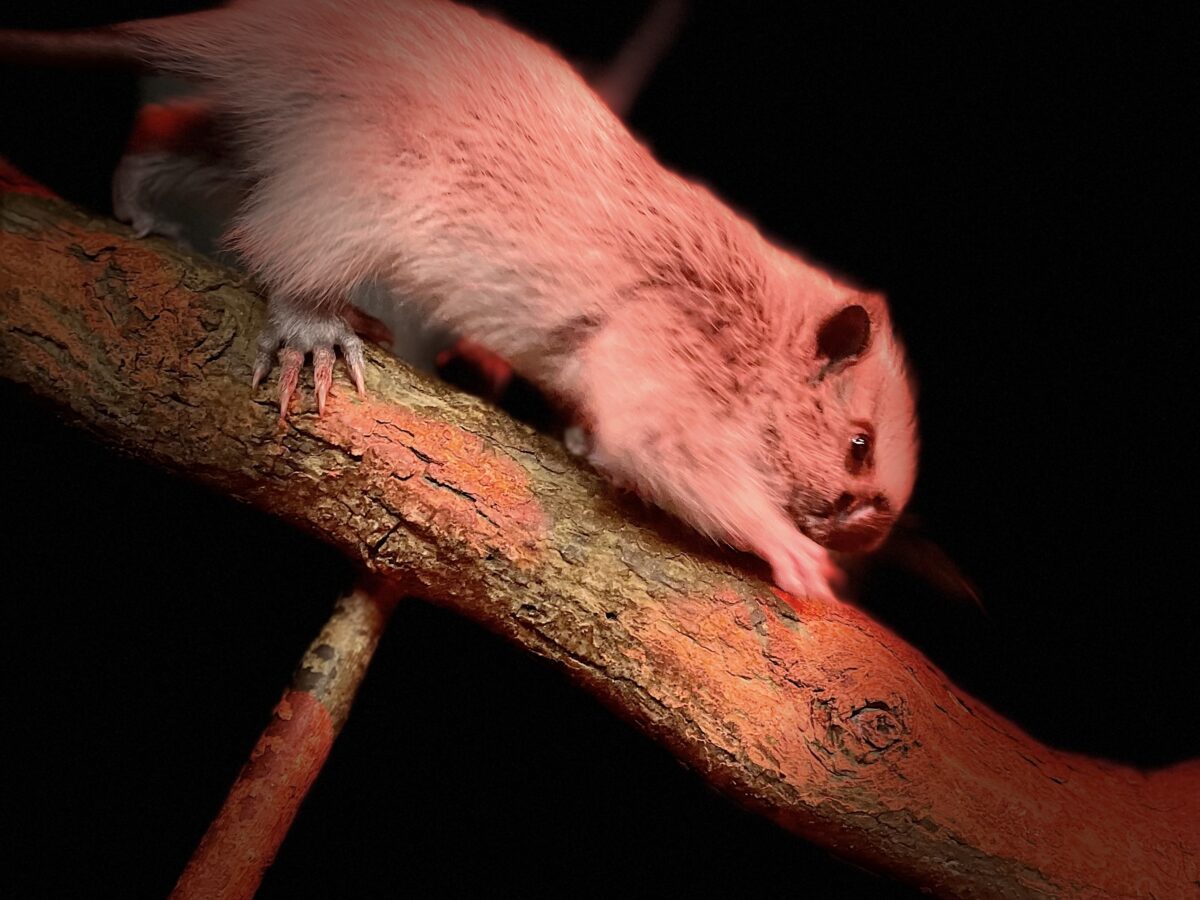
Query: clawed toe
{"points": [[323, 358], [291, 361], [268, 343], [352, 350]]}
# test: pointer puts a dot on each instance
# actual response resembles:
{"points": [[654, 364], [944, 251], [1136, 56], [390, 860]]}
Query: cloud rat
{"points": [[473, 172]]}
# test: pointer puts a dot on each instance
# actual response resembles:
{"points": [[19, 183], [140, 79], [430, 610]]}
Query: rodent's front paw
{"points": [[804, 568]]}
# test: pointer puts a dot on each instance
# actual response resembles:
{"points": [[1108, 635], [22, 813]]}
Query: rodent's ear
{"points": [[845, 335]]}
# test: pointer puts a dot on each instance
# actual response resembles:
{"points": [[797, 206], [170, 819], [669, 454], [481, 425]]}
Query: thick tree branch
{"points": [[811, 714]]}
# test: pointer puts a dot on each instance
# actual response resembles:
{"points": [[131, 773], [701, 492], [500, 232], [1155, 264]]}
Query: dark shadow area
{"points": [[1017, 182]]}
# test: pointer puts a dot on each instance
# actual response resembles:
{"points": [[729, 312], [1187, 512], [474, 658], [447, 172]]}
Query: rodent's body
{"points": [[473, 170], [469, 169]]}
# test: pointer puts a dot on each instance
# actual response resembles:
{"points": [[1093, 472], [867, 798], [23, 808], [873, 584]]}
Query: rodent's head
{"points": [[843, 436]]}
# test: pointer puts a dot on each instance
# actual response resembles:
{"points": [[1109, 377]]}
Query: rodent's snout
{"points": [[851, 524], [859, 523]]}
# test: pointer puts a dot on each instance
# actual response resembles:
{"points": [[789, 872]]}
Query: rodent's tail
{"points": [[108, 47], [140, 45]]}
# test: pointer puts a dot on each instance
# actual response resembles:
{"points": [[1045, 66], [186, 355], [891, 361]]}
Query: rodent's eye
{"points": [[860, 452]]}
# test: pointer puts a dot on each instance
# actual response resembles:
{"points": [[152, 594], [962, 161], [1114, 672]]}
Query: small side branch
{"points": [[242, 841]]}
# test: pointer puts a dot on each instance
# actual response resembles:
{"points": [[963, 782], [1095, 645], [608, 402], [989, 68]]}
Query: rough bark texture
{"points": [[811, 714]]}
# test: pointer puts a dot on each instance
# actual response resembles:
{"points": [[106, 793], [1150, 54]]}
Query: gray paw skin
{"points": [[299, 336]]}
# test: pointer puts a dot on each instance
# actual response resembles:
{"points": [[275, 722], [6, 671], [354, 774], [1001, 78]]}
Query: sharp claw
{"points": [[291, 359], [261, 368], [323, 358], [264, 358], [353, 352], [291, 362], [359, 387]]}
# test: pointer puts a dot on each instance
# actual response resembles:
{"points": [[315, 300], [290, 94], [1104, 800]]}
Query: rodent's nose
{"points": [[859, 523]]}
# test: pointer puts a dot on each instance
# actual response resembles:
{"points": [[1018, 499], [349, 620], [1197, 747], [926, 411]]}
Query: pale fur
{"points": [[426, 148]]}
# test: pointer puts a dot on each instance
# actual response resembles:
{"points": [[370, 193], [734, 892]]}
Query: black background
{"points": [[1015, 178]]}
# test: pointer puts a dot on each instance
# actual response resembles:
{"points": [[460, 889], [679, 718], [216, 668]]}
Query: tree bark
{"points": [[241, 843], [810, 713]]}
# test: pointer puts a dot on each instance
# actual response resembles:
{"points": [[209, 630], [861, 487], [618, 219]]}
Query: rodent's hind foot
{"points": [[368, 327], [476, 369], [298, 338]]}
